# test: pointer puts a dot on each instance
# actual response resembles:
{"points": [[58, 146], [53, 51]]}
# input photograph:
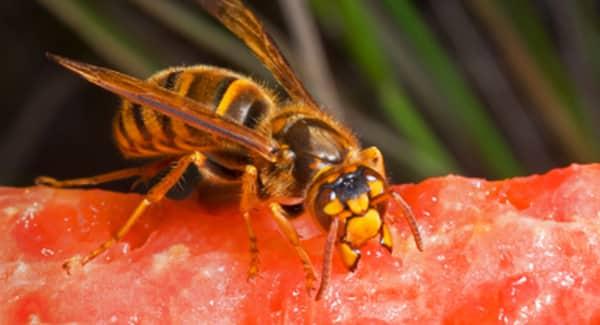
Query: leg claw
{"points": [[311, 279], [253, 270], [47, 181], [73, 264]]}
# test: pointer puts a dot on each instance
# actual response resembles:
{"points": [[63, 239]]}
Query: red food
{"points": [[525, 249]]}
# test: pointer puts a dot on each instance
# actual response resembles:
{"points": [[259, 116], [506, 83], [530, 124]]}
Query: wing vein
{"points": [[191, 112]]}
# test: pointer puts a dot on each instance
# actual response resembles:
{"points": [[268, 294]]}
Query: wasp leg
{"points": [[248, 200], [410, 219], [156, 193], [328, 257], [102, 178], [290, 233]]}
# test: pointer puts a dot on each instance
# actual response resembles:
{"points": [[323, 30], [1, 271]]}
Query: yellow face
{"points": [[356, 196]]}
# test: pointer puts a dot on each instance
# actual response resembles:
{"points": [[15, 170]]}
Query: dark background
{"points": [[53, 123]]}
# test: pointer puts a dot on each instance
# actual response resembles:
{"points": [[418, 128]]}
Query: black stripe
{"points": [[165, 121], [221, 89], [256, 143], [124, 132], [136, 110], [166, 126], [256, 113], [196, 89], [192, 131], [171, 80], [293, 210], [221, 171], [186, 184]]}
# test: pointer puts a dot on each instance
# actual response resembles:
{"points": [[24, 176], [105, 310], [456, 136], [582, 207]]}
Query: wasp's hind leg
{"points": [[280, 217], [154, 195], [143, 172]]}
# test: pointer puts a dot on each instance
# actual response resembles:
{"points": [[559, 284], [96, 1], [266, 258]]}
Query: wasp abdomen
{"points": [[145, 132]]}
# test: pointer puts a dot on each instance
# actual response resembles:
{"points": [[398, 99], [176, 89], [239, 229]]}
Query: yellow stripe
{"points": [[185, 80], [120, 139], [141, 147], [233, 91], [166, 148], [184, 145], [179, 129], [130, 127]]}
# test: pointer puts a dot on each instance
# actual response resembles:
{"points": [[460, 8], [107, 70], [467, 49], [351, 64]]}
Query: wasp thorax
{"points": [[353, 196]]}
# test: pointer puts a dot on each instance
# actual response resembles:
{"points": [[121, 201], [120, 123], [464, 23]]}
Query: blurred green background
{"points": [[480, 88]]}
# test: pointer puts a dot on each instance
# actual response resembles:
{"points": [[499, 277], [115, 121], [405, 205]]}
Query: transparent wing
{"points": [[242, 22], [193, 113]]}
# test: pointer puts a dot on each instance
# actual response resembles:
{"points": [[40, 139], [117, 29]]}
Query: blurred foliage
{"points": [[485, 88]]}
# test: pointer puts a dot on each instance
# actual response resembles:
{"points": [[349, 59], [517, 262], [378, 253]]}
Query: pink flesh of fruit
{"points": [[525, 249]]}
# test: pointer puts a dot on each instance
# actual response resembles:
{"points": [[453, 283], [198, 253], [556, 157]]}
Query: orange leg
{"points": [[102, 178], [290, 233], [248, 200], [328, 256], [155, 194], [410, 219]]}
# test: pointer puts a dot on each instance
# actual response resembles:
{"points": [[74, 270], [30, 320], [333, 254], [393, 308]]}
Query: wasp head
{"points": [[356, 196]]}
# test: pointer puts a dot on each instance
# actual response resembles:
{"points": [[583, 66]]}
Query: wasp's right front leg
{"points": [[288, 230]]}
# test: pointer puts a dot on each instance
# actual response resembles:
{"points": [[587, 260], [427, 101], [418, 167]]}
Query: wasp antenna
{"points": [[328, 257], [410, 218]]}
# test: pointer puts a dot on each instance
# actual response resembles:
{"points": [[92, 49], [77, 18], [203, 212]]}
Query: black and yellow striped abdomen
{"points": [[143, 132]]}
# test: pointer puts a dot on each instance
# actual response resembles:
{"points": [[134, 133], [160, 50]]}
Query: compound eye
{"points": [[327, 206]]}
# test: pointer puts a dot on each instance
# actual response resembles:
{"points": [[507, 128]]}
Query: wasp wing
{"points": [[192, 112], [244, 24]]}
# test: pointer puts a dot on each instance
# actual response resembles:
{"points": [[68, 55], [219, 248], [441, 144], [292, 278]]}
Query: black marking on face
{"points": [[350, 185]]}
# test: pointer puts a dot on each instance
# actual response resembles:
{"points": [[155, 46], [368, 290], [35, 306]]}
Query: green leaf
{"points": [[489, 142], [105, 36], [360, 37]]}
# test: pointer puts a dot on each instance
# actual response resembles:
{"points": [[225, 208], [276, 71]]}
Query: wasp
{"points": [[287, 155]]}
